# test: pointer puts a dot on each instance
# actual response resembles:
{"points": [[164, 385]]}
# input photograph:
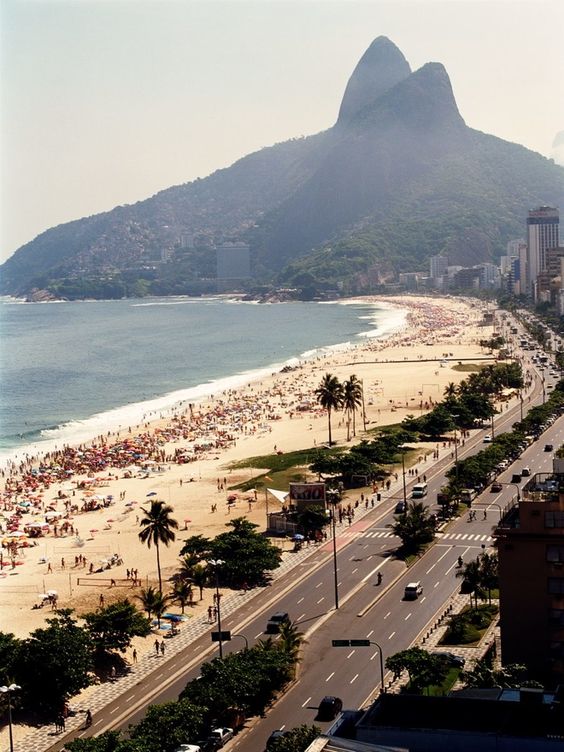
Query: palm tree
{"points": [[157, 527], [182, 593], [186, 570], [160, 605], [415, 526], [148, 597], [352, 399], [472, 575], [329, 394], [489, 573], [451, 390], [200, 578]]}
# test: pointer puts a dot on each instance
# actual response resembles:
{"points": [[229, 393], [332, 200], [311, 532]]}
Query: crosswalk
{"points": [[476, 537]]}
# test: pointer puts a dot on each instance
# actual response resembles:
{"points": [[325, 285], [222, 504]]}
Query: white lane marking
{"points": [[306, 702], [330, 676], [282, 727], [407, 617], [436, 584], [368, 635], [321, 599], [355, 677], [374, 655], [114, 710], [435, 564], [422, 599], [257, 636], [354, 570], [301, 599], [300, 617], [389, 612], [351, 653], [128, 699], [319, 584], [390, 637]]}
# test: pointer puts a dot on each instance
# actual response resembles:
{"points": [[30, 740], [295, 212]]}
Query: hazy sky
{"points": [[105, 102]]}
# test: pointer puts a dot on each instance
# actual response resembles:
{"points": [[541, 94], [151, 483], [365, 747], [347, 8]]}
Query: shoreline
{"points": [[165, 405], [276, 413]]}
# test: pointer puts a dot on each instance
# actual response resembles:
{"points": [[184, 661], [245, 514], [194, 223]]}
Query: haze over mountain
{"points": [[398, 178]]}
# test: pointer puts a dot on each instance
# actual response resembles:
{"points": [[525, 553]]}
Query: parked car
{"points": [[277, 734], [273, 624], [220, 736], [452, 659], [188, 748], [496, 487], [329, 707], [548, 447]]}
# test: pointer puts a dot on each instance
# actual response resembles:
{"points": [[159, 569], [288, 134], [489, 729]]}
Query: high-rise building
{"points": [[438, 266], [530, 544], [542, 233]]}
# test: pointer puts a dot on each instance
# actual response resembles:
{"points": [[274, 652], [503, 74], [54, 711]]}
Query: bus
{"points": [[419, 491]]}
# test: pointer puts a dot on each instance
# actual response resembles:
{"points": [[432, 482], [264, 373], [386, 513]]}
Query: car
{"points": [[487, 439], [329, 707], [526, 472], [276, 734], [275, 621], [516, 478], [400, 507], [548, 447], [452, 659], [496, 487], [220, 736], [188, 748], [412, 591]]}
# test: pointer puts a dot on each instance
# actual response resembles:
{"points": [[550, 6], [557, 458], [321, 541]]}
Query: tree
{"points": [[182, 593], [246, 554], [8, 651], [438, 422], [160, 606], [54, 663], [424, 668], [450, 390], [196, 548], [484, 676], [112, 628], [291, 640], [351, 400], [148, 597], [200, 578], [489, 573], [295, 740], [157, 527], [472, 577], [313, 519], [329, 394], [416, 527], [168, 725]]}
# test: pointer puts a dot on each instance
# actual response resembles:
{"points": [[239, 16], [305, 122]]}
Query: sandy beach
{"points": [[185, 458]]}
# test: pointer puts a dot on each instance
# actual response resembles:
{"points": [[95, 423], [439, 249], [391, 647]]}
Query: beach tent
{"points": [[281, 496]]}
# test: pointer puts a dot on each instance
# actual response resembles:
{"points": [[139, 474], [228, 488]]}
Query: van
{"points": [[412, 591], [419, 491]]}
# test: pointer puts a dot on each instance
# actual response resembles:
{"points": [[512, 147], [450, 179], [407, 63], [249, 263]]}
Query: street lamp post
{"points": [[403, 476], [334, 498], [8, 690], [216, 563]]}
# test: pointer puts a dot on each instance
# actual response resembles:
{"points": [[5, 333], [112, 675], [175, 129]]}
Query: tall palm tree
{"points": [[451, 390], [352, 399], [489, 573], [157, 527], [160, 606], [200, 578], [472, 575], [329, 394]]}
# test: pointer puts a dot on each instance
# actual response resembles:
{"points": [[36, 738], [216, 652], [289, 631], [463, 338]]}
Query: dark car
{"points": [[273, 624], [496, 487], [400, 507], [548, 447], [329, 707], [452, 659], [277, 734], [516, 478]]}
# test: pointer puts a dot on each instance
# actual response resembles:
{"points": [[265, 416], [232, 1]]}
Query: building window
{"points": [[556, 585], [554, 519], [555, 554], [556, 617]]}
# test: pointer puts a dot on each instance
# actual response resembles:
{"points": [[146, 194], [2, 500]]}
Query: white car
{"points": [[187, 748], [487, 439]]}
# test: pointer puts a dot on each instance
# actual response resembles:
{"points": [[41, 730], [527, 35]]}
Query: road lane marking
{"points": [[422, 599], [368, 635], [390, 637], [436, 584], [300, 617], [319, 584], [301, 599], [389, 612], [407, 617], [355, 677], [351, 653], [374, 655], [354, 570], [321, 599], [282, 727], [330, 676], [306, 702], [114, 710], [257, 636]]}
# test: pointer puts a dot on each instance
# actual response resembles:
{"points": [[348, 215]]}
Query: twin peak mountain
{"points": [[399, 177]]}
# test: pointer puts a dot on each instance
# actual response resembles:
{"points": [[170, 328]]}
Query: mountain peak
{"points": [[380, 68]]}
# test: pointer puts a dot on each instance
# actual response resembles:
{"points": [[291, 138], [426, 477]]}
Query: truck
{"points": [[419, 491]]}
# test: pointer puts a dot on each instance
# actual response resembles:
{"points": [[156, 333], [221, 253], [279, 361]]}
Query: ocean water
{"points": [[72, 370]]}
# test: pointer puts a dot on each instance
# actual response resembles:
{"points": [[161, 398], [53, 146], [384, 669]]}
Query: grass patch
{"points": [[439, 690], [464, 367], [277, 462], [469, 626]]}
